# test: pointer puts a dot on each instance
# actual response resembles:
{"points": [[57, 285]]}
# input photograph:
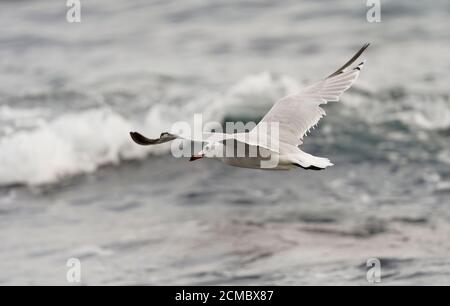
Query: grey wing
{"points": [[298, 113]]}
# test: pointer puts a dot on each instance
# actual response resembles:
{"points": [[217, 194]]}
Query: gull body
{"points": [[216, 151]]}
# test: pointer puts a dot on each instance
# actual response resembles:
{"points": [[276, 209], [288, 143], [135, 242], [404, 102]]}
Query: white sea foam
{"points": [[69, 145]]}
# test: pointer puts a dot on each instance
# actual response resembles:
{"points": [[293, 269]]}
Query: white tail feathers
{"points": [[321, 162], [306, 160]]}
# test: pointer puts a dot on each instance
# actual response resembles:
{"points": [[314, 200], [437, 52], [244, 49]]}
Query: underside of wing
{"points": [[251, 139], [207, 137]]}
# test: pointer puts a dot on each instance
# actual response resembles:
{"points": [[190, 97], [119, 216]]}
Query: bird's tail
{"points": [[310, 162]]}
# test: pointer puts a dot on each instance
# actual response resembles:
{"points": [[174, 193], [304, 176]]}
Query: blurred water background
{"points": [[74, 185]]}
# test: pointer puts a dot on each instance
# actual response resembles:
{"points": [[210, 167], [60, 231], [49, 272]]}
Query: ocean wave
{"points": [[381, 125], [69, 145]]}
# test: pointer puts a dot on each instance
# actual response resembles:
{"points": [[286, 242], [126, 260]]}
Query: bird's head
{"points": [[210, 150]]}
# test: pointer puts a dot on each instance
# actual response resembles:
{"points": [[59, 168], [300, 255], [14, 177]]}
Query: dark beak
{"points": [[195, 157]]}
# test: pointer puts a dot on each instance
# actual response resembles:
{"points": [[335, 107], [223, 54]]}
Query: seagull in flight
{"points": [[293, 115]]}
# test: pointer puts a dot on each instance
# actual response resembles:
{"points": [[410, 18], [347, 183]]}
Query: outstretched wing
{"points": [[207, 137], [299, 112], [166, 137]]}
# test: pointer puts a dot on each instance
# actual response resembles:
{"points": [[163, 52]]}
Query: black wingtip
{"points": [[363, 48], [134, 136], [139, 139], [351, 61], [366, 45]]}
